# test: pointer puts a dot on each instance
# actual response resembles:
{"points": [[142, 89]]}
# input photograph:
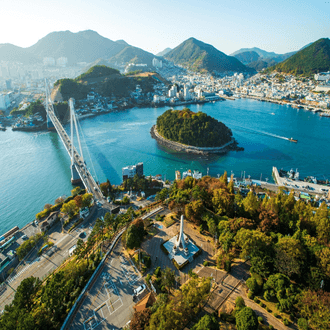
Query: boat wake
{"points": [[249, 130]]}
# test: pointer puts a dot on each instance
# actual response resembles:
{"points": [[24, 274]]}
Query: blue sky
{"points": [[279, 26]]}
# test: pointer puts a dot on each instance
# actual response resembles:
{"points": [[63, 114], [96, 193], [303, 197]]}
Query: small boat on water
{"points": [[293, 140], [272, 113]]}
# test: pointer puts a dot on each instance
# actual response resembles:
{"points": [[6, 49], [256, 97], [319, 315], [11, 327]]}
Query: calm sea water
{"points": [[35, 167]]}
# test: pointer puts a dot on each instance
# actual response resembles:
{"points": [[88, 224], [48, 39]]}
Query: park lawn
{"points": [[152, 231], [170, 219]]}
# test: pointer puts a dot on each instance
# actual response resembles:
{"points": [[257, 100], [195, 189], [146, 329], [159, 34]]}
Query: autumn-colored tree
{"points": [[193, 211], [140, 320], [59, 200], [69, 208], [78, 199], [105, 187], [315, 307], [87, 200], [290, 256], [75, 191], [268, 220], [251, 242], [322, 220], [323, 258], [47, 206], [251, 204], [222, 201], [238, 223]]}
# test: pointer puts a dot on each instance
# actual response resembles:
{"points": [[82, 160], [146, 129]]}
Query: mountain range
{"points": [[198, 56], [88, 46], [311, 59]]}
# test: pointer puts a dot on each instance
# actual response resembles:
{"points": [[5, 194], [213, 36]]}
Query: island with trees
{"points": [[187, 131]]}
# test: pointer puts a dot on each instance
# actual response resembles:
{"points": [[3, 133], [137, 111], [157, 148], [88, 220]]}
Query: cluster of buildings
{"points": [[196, 174], [130, 171], [50, 61]]}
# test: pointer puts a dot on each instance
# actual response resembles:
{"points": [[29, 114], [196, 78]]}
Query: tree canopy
{"points": [[197, 129]]}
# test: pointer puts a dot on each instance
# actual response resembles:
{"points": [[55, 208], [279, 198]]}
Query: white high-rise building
{"points": [[186, 94], [157, 63], [173, 91]]}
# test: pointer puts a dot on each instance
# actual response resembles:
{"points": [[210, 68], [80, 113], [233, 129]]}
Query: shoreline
{"points": [[176, 146], [308, 107]]}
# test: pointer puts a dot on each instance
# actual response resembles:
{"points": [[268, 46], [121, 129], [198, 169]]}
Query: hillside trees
{"points": [[197, 129]]}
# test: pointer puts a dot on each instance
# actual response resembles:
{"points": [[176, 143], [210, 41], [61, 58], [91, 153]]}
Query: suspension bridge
{"points": [[79, 170]]}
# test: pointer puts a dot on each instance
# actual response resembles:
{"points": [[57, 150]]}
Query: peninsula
{"points": [[187, 131]]}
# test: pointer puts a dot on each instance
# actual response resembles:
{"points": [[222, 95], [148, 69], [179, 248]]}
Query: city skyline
{"points": [[153, 26]]}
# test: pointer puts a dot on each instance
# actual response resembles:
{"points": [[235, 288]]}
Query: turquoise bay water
{"points": [[35, 167]]}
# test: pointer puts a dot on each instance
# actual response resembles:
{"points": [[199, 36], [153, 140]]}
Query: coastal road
{"points": [[43, 265]]}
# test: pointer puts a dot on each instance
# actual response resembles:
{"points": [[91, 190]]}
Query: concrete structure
{"points": [[49, 61], [181, 248], [8, 84], [5, 100], [62, 61], [47, 223], [157, 63], [177, 175], [130, 171], [173, 91], [322, 76]]}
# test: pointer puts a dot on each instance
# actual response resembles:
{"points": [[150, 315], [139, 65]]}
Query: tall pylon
{"points": [[75, 178], [50, 125]]}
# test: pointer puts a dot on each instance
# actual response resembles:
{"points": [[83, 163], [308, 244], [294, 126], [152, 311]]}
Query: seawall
{"points": [[232, 145]]}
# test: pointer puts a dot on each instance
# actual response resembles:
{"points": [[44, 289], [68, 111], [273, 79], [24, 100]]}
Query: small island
{"points": [[187, 131]]}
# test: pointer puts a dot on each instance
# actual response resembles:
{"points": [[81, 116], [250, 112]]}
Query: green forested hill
{"points": [[197, 129], [104, 80], [312, 59], [199, 56], [98, 71]]}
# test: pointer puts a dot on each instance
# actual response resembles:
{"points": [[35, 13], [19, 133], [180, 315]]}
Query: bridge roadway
{"points": [[86, 178]]}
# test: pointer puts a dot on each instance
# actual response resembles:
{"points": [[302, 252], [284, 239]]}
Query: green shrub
{"points": [[157, 272], [270, 327], [276, 315], [148, 278], [267, 295], [239, 302], [260, 319], [227, 266], [286, 322], [250, 295], [205, 263], [256, 300], [268, 310], [303, 324]]}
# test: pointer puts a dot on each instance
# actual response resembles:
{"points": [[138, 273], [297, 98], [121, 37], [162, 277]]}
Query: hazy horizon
{"points": [[280, 27]]}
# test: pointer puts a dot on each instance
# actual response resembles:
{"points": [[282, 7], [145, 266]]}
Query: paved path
{"points": [[109, 302]]}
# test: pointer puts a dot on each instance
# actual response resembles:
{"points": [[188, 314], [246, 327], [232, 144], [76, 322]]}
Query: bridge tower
{"points": [[50, 125], [75, 161]]}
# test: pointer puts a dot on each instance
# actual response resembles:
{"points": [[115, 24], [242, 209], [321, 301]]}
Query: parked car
{"points": [[139, 289]]}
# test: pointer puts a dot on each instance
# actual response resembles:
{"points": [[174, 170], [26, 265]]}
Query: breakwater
{"points": [[232, 145]]}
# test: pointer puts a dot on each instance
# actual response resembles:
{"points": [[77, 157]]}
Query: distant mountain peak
{"points": [[122, 42], [199, 56], [164, 52]]}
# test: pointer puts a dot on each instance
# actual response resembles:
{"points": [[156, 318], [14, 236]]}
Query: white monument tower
{"points": [[182, 239]]}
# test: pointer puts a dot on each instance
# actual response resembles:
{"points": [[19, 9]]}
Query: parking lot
{"points": [[109, 302]]}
